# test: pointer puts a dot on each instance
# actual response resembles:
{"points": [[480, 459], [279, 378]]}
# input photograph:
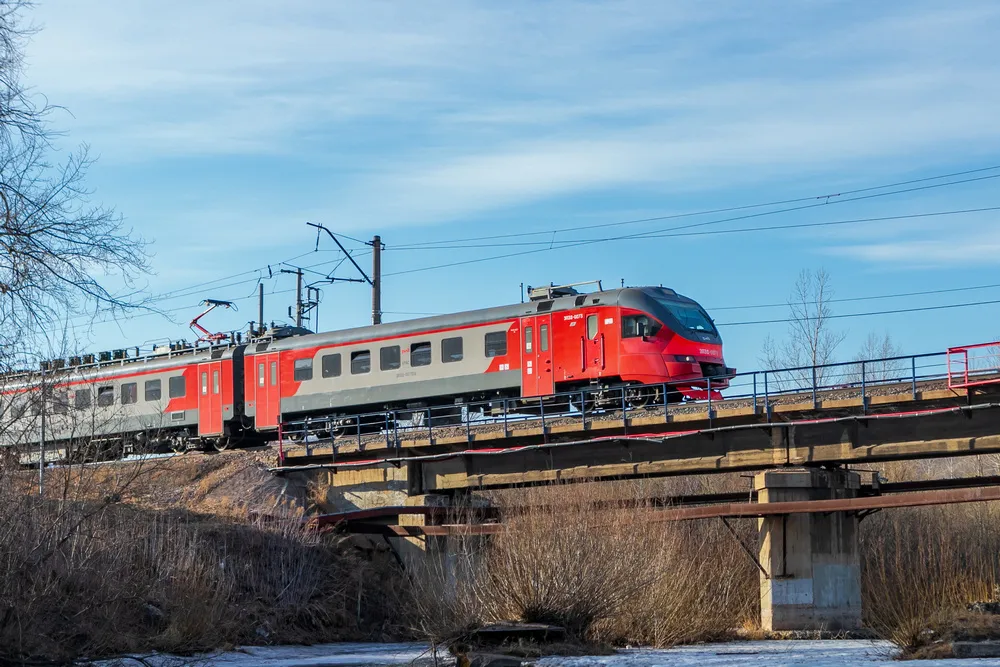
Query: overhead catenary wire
{"points": [[699, 233], [826, 197], [852, 315]]}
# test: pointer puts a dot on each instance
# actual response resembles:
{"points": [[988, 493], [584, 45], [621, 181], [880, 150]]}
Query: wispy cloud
{"points": [[431, 112]]}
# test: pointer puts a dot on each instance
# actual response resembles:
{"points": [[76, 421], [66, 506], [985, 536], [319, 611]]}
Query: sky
{"points": [[222, 128]]}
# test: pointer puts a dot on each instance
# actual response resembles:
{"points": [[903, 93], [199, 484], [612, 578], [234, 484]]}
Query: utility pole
{"points": [[260, 306], [298, 295], [376, 280], [41, 438]]}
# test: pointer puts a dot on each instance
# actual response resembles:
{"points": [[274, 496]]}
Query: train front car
{"points": [[670, 338]]}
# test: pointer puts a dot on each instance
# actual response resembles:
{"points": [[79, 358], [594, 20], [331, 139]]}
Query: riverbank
{"points": [[784, 653], [206, 552]]}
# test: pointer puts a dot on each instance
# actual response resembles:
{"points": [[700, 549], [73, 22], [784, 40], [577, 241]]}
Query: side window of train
{"points": [[528, 336], [60, 401], [130, 393], [634, 326], [388, 358], [81, 400], [151, 390], [105, 396], [543, 337], [451, 349], [591, 326], [331, 365], [204, 383], [496, 344], [303, 370], [176, 387], [361, 362], [274, 373], [215, 382], [420, 354]]}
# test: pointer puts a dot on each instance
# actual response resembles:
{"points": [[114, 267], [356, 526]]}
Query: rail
{"points": [[761, 390]]}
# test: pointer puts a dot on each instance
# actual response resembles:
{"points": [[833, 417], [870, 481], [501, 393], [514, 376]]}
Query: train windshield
{"points": [[689, 314]]}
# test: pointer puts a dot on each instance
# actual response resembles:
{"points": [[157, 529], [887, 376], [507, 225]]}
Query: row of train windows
{"points": [[452, 350], [128, 392]]}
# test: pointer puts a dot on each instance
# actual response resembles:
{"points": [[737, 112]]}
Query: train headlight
{"points": [[686, 358]]}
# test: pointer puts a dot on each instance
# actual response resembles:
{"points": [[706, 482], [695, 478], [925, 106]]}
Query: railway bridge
{"points": [[800, 430]]}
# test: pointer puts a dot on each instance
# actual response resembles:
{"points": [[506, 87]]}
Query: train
{"points": [[242, 390]]}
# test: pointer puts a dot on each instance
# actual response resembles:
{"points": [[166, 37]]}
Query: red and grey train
{"points": [[558, 341]]}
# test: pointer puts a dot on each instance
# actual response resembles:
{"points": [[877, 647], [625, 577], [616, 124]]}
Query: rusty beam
{"points": [[747, 510]]}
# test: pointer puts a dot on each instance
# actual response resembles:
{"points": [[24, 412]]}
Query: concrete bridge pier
{"points": [[813, 579]]}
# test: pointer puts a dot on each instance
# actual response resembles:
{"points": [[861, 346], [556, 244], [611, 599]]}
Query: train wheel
{"points": [[639, 397], [221, 444], [178, 445]]}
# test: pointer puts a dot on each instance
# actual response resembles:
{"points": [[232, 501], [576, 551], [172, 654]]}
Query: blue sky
{"points": [[223, 127]]}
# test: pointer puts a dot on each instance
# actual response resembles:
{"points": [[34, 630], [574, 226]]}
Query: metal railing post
{"points": [[767, 400], [624, 412], [864, 391], [360, 444], [395, 430], [430, 429], [506, 433], [814, 386], [583, 410], [913, 376], [541, 409], [386, 428], [755, 392], [710, 418], [666, 406], [468, 424]]}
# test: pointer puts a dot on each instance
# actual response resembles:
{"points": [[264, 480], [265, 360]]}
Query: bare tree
{"points": [[811, 339], [60, 252], [878, 367]]}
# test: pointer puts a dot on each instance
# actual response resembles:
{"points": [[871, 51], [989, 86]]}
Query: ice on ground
{"points": [[827, 653]]}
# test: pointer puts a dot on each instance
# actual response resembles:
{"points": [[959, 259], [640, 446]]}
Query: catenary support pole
{"points": [[376, 280], [260, 306]]}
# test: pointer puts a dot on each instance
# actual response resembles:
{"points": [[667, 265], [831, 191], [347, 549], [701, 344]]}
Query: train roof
{"points": [[633, 297]]}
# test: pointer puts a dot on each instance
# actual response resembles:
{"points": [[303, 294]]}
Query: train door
{"points": [[536, 356], [210, 398], [268, 390], [593, 348]]}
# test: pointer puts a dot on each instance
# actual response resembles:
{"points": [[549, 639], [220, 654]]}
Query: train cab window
{"points": [[496, 344], [151, 391], [361, 362], [451, 350], [543, 337], [105, 396], [528, 335], [303, 370], [420, 354], [634, 326], [388, 358], [592, 326], [176, 387], [215, 382], [204, 384], [81, 400], [130, 393], [331, 365]]}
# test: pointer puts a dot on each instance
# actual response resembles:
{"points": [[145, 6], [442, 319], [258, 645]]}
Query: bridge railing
{"points": [[761, 390], [973, 365]]}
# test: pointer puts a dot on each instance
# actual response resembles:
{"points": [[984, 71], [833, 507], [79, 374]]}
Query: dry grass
{"points": [[85, 578], [607, 577], [922, 566]]}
